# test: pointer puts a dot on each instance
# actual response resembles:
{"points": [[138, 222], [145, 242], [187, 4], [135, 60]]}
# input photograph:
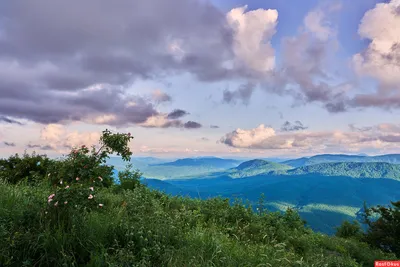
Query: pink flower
{"points": [[101, 179], [67, 187], [90, 196], [129, 134], [77, 178], [49, 200], [51, 196], [56, 204], [91, 188], [101, 205], [65, 202]]}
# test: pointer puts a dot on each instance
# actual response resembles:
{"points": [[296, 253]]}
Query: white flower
{"points": [[48, 175], [56, 204], [65, 202], [101, 179], [67, 187], [61, 182], [90, 196], [101, 205], [91, 188], [77, 178]]}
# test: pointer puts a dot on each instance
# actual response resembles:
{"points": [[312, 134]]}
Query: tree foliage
{"points": [[384, 227]]}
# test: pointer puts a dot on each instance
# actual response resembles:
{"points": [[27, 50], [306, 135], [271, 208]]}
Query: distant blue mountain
{"points": [[203, 161], [330, 158]]}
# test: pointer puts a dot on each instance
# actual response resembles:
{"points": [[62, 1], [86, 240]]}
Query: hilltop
{"points": [[257, 167]]}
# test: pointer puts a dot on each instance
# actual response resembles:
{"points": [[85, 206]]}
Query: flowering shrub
{"points": [[77, 178]]}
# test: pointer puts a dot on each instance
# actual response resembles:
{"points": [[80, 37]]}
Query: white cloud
{"points": [[382, 136], [59, 138], [381, 59], [253, 31], [316, 22]]}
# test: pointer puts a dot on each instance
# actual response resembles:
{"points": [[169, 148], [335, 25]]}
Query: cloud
{"points": [[159, 96], [8, 120], [79, 69], [214, 126], [58, 138], [192, 125], [243, 93], [253, 31], [40, 147], [382, 136], [381, 59], [9, 144], [296, 126], [316, 23], [305, 72], [176, 114], [204, 139], [162, 121]]}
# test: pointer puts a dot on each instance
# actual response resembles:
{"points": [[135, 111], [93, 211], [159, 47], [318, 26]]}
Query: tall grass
{"points": [[141, 227]]}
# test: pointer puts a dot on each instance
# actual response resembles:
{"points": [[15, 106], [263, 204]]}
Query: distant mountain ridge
{"points": [[201, 161], [257, 167], [351, 169], [331, 158]]}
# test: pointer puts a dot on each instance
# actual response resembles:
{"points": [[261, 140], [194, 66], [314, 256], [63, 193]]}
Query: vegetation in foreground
{"points": [[69, 213]]}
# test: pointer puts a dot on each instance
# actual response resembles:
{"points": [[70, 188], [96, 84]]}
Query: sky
{"points": [[186, 78]]}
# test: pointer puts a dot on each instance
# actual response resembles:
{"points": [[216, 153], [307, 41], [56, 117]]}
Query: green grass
{"points": [[141, 227]]}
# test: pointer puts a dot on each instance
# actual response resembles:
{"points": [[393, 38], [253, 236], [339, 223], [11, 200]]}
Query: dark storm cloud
{"points": [[290, 127], [51, 50], [243, 94], [8, 120], [9, 144], [177, 113]]}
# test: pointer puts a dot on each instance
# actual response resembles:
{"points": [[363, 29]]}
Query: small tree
{"points": [[384, 232], [349, 230]]}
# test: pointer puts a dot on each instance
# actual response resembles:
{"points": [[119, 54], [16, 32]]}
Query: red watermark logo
{"points": [[387, 264]]}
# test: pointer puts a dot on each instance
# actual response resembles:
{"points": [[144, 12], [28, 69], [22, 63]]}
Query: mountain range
{"points": [[324, 189]]}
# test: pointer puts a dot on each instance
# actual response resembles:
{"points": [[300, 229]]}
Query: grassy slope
{"points": [[145, 228]]}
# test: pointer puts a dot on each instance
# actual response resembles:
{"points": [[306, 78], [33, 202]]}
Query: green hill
{"points": [[332, 158], [256, 167], [351, 169]]}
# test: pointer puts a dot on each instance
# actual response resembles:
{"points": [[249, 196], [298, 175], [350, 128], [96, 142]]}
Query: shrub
{"points": [[349, 230]]}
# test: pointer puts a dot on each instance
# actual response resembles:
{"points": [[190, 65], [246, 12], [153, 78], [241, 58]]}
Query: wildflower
{"points": [[77, 178], [65, 202], [49, 200], [67, 187], [48, 175], [91, 188], [90, 196], [56, 204], [101, 179], [51, 196], [61, 181], [101, 205], [129, 134]]}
